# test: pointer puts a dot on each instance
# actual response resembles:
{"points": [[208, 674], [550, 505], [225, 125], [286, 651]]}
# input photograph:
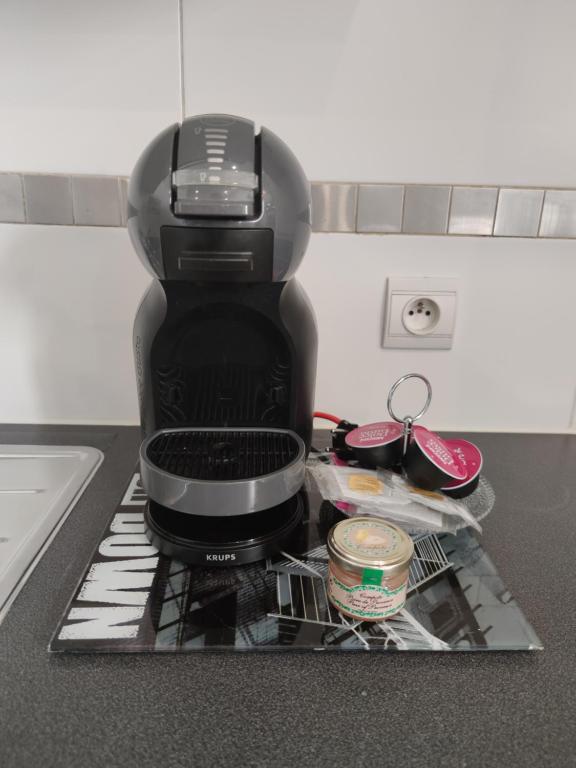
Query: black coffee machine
{"points": [[225, 339]]}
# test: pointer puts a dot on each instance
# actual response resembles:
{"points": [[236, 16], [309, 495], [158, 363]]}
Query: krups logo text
{"points": [[220, 558]]}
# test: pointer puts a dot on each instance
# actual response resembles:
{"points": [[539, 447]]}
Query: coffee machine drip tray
{"points": [[222, 472]]}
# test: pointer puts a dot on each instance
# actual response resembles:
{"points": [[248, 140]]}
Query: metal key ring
{"points": [[395, 387]]}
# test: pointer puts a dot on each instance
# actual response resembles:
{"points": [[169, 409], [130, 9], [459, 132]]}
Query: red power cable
{"points": [[327, 417]]}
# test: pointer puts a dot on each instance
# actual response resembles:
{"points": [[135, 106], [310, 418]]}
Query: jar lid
{"points": [[368, 542]]}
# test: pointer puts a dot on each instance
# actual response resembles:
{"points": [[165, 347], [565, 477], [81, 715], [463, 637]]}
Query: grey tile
{"points": [[380, 208], [559, 213], [334, 207], [48, 199], [472, 210], [518, 212], [11, 198], [96, 201], [123, 182], [426, 210]]}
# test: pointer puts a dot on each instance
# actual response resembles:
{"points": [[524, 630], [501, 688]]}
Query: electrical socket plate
{"points": [[403, 290]]}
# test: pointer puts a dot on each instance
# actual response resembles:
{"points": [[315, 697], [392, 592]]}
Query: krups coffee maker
{"points": [[224, 340]]}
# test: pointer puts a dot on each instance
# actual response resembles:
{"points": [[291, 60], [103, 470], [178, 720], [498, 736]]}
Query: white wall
{"points": [[460, 91], [68, 296], [455, 92], [85, 83], [512, 366]]}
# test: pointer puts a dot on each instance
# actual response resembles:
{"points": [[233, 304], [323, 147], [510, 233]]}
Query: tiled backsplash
{"points": [[413, 209], [28, 198], [427, 209]]}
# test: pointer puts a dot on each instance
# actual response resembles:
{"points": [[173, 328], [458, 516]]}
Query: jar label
{"points": [[372, 576], [367, 601]]}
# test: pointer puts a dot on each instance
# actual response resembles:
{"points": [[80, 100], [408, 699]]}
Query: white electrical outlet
{"points": [[420, 312]]}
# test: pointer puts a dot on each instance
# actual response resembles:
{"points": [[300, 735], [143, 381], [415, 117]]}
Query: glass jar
{"points": [[369, 563]]}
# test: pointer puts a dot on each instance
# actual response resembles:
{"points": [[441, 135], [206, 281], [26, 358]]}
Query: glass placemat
{"points": [[131, 599]]}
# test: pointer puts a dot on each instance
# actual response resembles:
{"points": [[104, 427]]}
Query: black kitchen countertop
{"points": [[279, 709]]}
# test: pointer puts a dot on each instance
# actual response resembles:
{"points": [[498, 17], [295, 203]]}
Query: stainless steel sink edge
{"points": [[94, 457]]}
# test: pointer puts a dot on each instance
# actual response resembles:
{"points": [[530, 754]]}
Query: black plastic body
{"points": [[218, 255], [339, 440], [385, 456], [226, 355], [422, 471]]}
